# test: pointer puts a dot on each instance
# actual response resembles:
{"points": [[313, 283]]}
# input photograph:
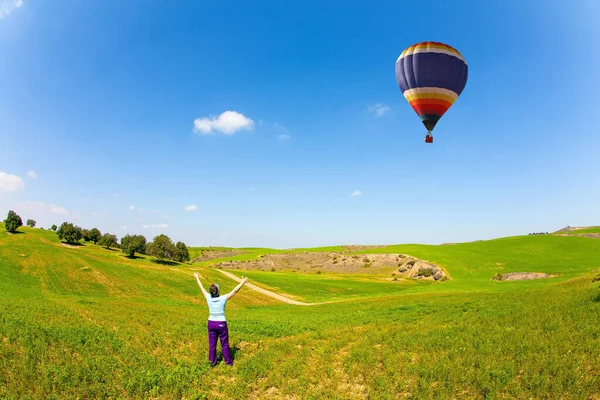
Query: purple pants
{"points": [[218, 329]]}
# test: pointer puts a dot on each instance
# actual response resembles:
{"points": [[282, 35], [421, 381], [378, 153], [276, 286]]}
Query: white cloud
{"points": [[156, 226], [39, 208], [124, 227], [32, 174], [192, 207], [284, 132], [8, 6], [131, 208], [227, 123], [54, 209], [10, 183], [356, 193], [94, 214], [379, 109]]}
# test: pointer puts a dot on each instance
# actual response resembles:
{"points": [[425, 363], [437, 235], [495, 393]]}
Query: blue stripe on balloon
{"points": [[431, 69]]}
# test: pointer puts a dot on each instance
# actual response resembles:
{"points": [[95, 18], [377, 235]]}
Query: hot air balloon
{"points": [[431, 76]]}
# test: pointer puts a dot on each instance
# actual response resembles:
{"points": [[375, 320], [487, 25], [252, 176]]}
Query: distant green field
{"points": [[88, 322], [591, 229]]}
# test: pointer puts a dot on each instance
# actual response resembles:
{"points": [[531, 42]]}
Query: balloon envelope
{"points": [[431, 76]]}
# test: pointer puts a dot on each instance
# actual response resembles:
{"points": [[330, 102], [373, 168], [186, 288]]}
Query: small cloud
{"points": [[131, 208], [356, 193], [8, 6], [166, 217], [94, 214], [156, 226], [54, 209], [124, 227], [227, 123], [379, 109], [10, 183], [284, 132], [32, 174], [192, 207]]}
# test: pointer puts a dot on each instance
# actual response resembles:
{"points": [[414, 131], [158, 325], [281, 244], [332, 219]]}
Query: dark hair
{"points": [[214, 290]]}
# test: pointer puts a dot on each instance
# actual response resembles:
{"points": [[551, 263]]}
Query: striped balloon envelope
{"points": [[431, 76]]}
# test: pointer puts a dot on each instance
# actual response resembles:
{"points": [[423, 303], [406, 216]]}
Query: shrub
{"points": [[425, 272]]}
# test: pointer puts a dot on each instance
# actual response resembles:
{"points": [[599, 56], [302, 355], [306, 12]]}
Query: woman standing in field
{"points": [[217, 325]]}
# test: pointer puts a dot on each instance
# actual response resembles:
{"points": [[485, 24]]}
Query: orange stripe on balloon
{"points": [[440, 102]]}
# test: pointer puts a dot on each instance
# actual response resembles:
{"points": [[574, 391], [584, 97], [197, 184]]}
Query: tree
{"points": [[12, 222], [108, 240], [162, 248], [53, 227], [182, 252], [95, 235], [130, 244], [86, 234], [70, 233], [31, 223]]}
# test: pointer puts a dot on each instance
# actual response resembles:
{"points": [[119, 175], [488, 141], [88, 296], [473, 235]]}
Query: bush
{"points": [[69, 233], [498, 277], [53, 227], [425, 272], [12, 222]]}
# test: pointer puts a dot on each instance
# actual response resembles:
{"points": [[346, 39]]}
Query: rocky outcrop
{"points": [[400, 264], [521, 276], [419, 269]]}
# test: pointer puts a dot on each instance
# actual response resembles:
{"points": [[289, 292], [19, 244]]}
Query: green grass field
{"points": [[88, 322]]}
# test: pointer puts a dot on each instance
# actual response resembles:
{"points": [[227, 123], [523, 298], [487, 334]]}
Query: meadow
{"points": [[87, 322]]}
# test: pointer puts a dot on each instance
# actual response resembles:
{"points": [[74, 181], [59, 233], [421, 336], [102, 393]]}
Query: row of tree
{"points": [[161, 247]]}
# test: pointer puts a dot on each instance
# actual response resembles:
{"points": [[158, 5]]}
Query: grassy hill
{"points": [[87, 322], [579, 230]]}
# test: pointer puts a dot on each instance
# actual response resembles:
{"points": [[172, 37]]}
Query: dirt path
{"points": [[271, 294]]}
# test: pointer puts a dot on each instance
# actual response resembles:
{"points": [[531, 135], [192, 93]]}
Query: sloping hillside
{"points": [[585, 231], [86, 322]]}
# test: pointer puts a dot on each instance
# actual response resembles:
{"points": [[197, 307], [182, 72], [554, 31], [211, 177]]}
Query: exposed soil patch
{"points": [[400, 265], [73, 246], [590, 235], [355, 248], [207, 255], [521, 276]]}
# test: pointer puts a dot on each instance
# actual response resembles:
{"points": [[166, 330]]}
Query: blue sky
{"points": [[109, 104]]}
